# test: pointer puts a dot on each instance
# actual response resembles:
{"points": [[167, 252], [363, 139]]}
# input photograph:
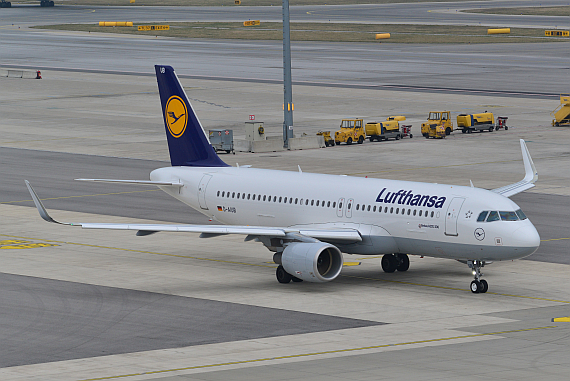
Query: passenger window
{"points": [[403, 211], [307, 202], [328, 204], [374, 209], [312, 202], [264, 198], [386, 210], [415, 212], [323, 203], [508, 216], [296, 200], [280, 198], [334, 205], [357, 206], [391, 210], [218, 194], [493, 216], [259, 197], [420, 213], [274, 198], [521, 215], [233, 194], [238, 195], [317, 202], [432, 214], [482, 216], [409, 211], [397, 210], [249, 194]]}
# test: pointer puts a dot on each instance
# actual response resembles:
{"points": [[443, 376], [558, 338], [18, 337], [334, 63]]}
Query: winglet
{"points": [[41, 209], [531, 174]]}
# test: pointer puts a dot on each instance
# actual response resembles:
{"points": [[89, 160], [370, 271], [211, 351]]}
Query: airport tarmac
{"points": [[104, 305]]}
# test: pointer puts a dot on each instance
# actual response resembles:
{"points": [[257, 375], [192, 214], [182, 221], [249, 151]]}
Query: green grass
{"points": [[407, 34], [528, 11]]}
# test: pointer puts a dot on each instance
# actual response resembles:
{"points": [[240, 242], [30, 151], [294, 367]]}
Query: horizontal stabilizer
{"points": [[531, 175], [135, 182]]}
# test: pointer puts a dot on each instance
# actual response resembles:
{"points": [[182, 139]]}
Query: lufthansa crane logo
{"points": [[176, 116]]}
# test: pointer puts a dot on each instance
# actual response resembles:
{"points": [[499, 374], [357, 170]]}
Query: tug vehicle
{"points": [[351, 130], [438, 125], [329, 141]]}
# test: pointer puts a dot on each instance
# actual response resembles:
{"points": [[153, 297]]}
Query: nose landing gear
{"points": [[478, 285]]}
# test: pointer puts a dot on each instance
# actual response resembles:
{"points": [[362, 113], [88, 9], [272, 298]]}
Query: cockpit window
{"points": [[521, 214], [482, 216], [493, 216], [509, 216]]}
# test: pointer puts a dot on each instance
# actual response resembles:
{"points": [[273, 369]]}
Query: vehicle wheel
{"points": [[463, 131], [397, 137], [296, 280], [389, 263], [361, 139], [228, 151], [557, 124], [506, 128], [332, 143], [51, 3], [337, 143], [490, 129], [448, 131], [475, 287], [404, 262], [282, 275], [484, 286], [411, 136], [349, 141], [371, 139]]}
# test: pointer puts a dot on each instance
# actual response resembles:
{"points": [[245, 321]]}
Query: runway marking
{"points": [[561, 320], [310, 354], [78, 196], [273, 266]]}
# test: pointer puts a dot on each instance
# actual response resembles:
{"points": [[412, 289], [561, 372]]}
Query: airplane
{"points": [[308, 219]]}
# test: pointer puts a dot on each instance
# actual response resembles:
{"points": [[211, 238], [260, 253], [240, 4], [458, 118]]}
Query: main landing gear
{"points": [[393, 262], [284, 277], [478, 285]]}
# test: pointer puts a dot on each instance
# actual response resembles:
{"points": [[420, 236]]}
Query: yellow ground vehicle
{"points": [[383, 130], [329, 142], [438, 125], [476, 122], [351, 130], [562, 112]]}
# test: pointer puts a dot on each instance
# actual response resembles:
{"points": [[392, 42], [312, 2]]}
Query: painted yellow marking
{"points": [[562, 319], [318, 353], [351, 264], [79, 196], [553, 239], [27, 246]]}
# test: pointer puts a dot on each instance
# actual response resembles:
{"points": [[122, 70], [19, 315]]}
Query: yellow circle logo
{"points": [[176, 116]]}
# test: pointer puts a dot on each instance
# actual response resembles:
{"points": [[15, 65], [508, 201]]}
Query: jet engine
{"points": [[312, 261]]}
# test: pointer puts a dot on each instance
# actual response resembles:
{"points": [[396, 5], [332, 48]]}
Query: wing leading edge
{"points": [[351, 235], [531, 175]]}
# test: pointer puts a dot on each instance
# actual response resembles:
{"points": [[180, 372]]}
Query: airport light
{"points": [[287, 87]]}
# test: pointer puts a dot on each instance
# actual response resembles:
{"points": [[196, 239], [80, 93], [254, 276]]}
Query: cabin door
{"points": [[452, 215]]}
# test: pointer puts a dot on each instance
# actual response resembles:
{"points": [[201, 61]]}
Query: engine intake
{"points": [[312, 262]]}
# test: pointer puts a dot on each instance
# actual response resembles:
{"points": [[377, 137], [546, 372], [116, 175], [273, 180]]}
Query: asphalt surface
{"points": [[423, 13], [52, 175]]}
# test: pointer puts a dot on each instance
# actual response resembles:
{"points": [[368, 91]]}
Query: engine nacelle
{"points": [[312, 261]]}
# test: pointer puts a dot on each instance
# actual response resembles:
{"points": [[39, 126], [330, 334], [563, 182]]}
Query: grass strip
{"points": [[330, 32]]}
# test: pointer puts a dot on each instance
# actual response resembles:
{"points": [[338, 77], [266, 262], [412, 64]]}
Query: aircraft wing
{"points": [[205, 230], [531, 175], [136, 182]]}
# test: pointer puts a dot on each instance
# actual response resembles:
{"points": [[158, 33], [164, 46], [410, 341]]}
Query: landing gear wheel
{"points": [[404, 262], [349, 141], [389, 263], [484, 286], [475, 286], [361, 139], [282, 275]]}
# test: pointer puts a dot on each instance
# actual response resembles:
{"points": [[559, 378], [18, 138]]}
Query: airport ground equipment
{"points": [[383, 130], [222, 140], [46, 3], [254, 131], [351, 130], [476, 122], [501, 123], [438, 125], [406, 130], [329, 141], [562, 112], [5, 4]]}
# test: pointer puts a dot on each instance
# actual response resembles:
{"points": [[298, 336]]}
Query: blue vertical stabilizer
{"points": [[187, 141]]}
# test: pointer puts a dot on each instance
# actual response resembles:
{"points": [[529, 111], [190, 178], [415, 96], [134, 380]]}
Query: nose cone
{"points": [[527, 237]]}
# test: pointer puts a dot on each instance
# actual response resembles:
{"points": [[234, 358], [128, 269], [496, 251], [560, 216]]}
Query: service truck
{"points": [[383, 130], [351, 130], [438, 125], [476, 122]]}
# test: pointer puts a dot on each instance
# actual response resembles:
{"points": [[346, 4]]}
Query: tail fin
{"points": [[187, 141]]}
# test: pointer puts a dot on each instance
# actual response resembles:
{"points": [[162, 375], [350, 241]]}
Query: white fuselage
{"points": [[392, 216]]}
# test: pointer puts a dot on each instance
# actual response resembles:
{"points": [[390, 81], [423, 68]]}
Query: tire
{"points": [[349, 141], [371, 139], [484, 286], [404, 263], [228, 151], [337, 143], [411, 136], [506, 128], [475, 287], [463, 131], [427, 136], [282, 275], [491, 129], [389, 263], [361, 139], [447, 131], [557, 124], [397, 137]]}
